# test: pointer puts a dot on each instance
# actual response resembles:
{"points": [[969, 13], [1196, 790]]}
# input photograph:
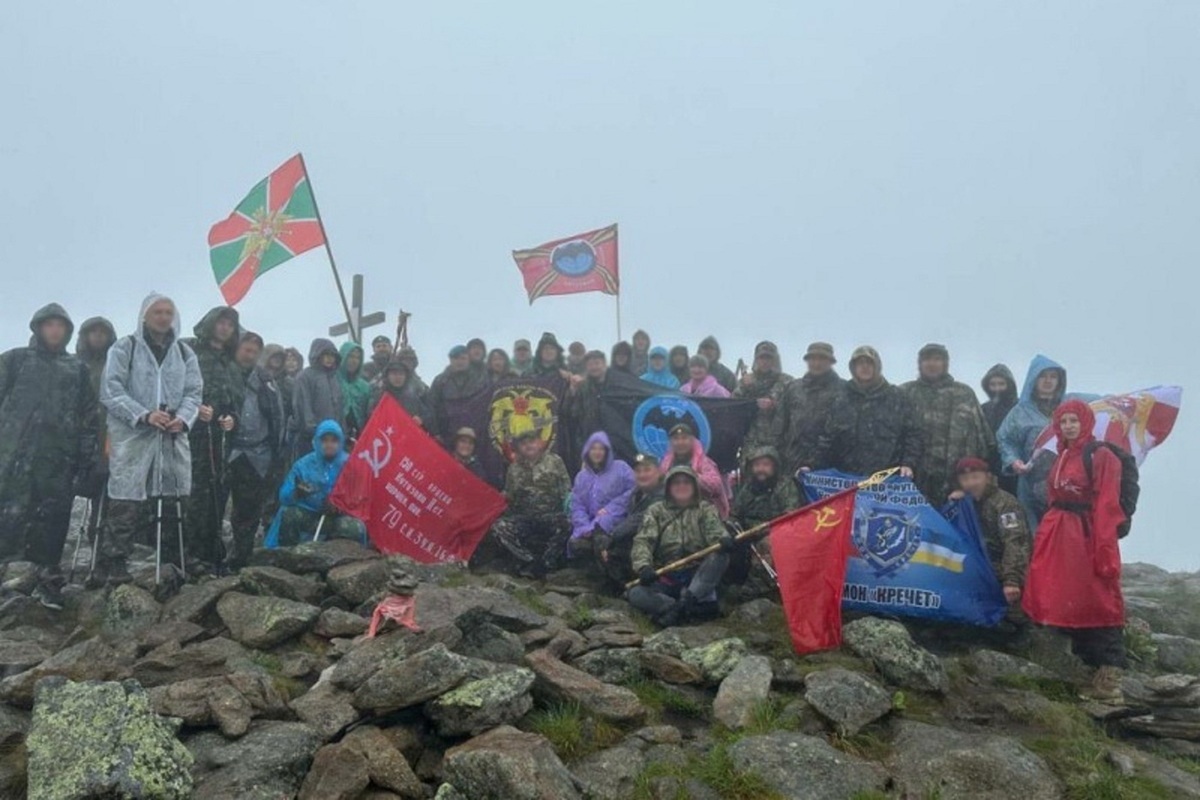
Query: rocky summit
{"points": [[264, 685]]}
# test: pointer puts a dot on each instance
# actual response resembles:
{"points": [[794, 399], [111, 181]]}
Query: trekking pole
{"points": [[99, 531], [83, 524], [756, 532], [158, 542], [179, 528], [320, 524]]}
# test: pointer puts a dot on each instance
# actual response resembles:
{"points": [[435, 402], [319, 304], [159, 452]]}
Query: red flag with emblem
{"points": [[277, 221], [413, 496], [810, 547], [586, 262]]}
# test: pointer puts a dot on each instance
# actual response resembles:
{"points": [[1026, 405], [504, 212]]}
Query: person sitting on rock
{"points": [[534, 530], [305, 513], [613, 548], [682, 524], [600, 497]]}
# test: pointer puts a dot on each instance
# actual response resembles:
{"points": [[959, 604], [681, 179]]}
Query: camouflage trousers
{"points": [[298, 524], [525, 543], [35, 513], [129, 521], [249, 492], [205, 508]]}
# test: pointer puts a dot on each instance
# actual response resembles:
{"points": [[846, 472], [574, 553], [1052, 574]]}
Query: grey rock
{"points": [[890, 647], [801, 767], [359, 581], [619, 665], [313, 556], [263, 622], [654, 734], [992, 665], [567, 644], [508, 764], [438, 606], [559, 682], [619, 634], [477, 706], [676, 641], [412, 681], [847, 699], [228, 702], [368, 656], [716, 659], [276, 582], [952, 764], [268, 763], [160, 633], [128, 611], [18, 656], [609, 774], [171, 662], [386, 765], [334, 623], [196, 600], [328, 709], [669, 669], [1164, 727], [90, 659], [490, 642], [338, 772], [747, 686], [1177, 653], [102, 740], [448, 792]]}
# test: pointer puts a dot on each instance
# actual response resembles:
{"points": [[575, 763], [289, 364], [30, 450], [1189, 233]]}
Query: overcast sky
{"points": [[1004, 177]]}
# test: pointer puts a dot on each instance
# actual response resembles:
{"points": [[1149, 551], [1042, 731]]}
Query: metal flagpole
{"points": [[337, 278], [619, 315]]}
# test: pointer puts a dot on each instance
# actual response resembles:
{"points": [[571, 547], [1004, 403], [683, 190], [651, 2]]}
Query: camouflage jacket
{"points": [[538, 488], [869, 429], [770, 423], [806, 406], [1006, 535], [669, 533], [759, 503], [224, 383], [951, 426]]}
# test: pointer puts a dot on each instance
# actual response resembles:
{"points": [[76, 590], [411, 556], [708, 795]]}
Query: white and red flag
{"points": [[1136, 422]]}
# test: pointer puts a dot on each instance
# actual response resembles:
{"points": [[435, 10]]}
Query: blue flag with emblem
{"points": [[909, 559]]}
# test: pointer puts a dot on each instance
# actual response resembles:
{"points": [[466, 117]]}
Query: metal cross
{"points": [[356, 315]]}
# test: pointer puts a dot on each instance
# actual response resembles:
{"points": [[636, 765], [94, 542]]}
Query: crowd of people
{"points": [[157, 431]]}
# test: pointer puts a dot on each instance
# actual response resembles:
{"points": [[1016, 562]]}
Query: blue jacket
{"points": [[1019, 432], [315, 470], [661, 377]]}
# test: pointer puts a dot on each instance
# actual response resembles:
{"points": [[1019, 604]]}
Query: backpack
{"points": [[1130, 490], [133, 346]]}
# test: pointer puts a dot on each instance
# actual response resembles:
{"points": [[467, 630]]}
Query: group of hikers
{"points": [[157, 431]]}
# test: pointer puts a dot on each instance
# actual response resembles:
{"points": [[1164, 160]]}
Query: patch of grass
{"points": [[660, 698], [1050, 688], [1189, 765], [1139, 642], [1081, 764], [767, 716], [571, 732], [863, 745], [917, 706], [714, 769], [455, 579], [644, 625], [831, 658], [268, 661], [532, 599], [581, 616], [869, 794]]}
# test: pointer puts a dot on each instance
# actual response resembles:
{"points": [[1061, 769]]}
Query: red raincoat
{"points": [[1075, 574], [712, 484]]}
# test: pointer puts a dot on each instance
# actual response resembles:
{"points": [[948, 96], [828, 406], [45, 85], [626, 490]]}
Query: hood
{"points": [[640, 333], [710, 341], [659, 350], [150, 300], [1037, 366], [52, 311], [690, 474], [325, 428], [291, 351], [548, 338], [677, 350], [1001, 371], [602, 438], [272, 350], [81, 347], [320, 347], [765, 451], [344, 353], [396, 365], [507, 358], [1087, 419], [203, 329]]}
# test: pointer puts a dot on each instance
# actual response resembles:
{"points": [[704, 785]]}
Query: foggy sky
{"points": [[1006, 178]]}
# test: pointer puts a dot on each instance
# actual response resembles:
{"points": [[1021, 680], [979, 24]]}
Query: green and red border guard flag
{"points": [[275, 222], [586, 262]]}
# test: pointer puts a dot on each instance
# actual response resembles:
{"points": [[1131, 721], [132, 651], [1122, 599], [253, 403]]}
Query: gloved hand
{"points": [[601, 541], [727, 543], [647, 576], [304, 489]]}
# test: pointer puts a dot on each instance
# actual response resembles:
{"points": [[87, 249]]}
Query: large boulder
{"points": [[268, 763], [847, 699], [990, 666], [91, 659], [668, 668], [313, 556], [227, 702], [618, 665], [103, 740], [929, 761], [195, 600], [716, 659], [264, 622], [1177, 653], [800, 767], [402, 683], [336, 623], [18, 655], [172, 662], [477, 706], [276, 582], [438, 606], [386, 765], [742, 691], [359, 581], [489, 642], [129, 610], [508, 764], [328, 709], [368, 656], [610, 774], [338, 772], [558, 682], [888, 645]]}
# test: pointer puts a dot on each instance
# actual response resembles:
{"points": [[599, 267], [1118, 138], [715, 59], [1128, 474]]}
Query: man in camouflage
{"points": [[96, 337], [1005, 528], [950, 423], [215, 346], [535, 528], [47, 445], [766, 384], [614, 547], [871, 425], [682, 524], [806, 407], [767, 494]]}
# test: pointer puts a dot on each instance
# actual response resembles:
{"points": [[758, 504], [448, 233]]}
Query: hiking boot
{"points": [[49, 595], [1105, 687]]}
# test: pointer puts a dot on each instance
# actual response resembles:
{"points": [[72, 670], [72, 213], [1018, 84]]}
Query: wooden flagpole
{"points": [[337, 278]]}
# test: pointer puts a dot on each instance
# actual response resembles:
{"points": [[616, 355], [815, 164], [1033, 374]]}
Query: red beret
{"points": [[971, 464]]}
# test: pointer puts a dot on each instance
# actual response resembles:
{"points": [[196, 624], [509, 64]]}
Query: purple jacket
{"points": [[600, 499], [709, 387]]}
